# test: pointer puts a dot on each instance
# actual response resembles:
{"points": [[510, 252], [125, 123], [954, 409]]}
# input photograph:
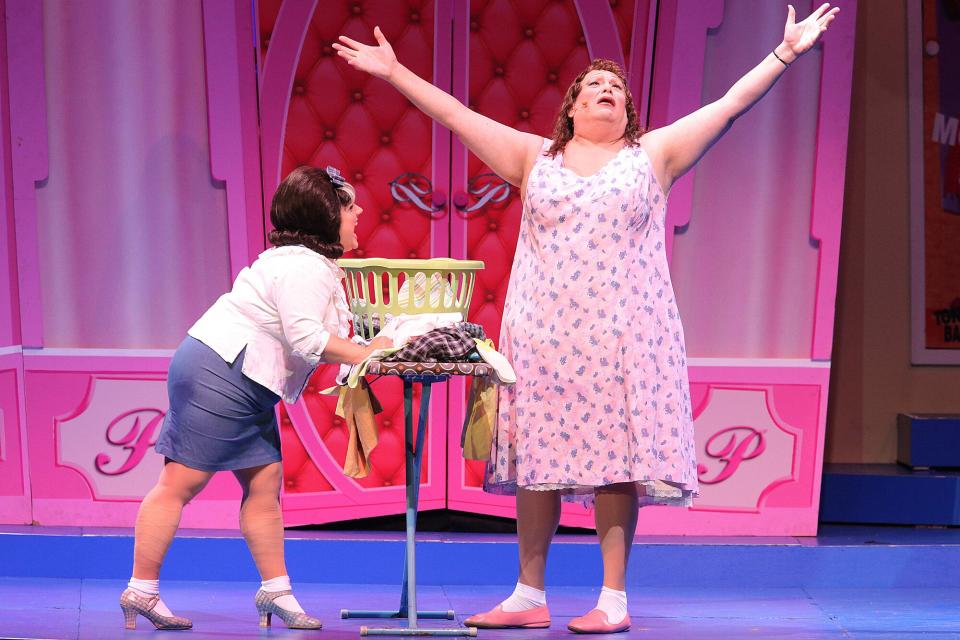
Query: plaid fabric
{"points": [[472, 329], [448, 344]]}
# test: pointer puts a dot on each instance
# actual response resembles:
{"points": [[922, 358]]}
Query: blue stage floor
{"points": [[849, 582], [74, 608]]}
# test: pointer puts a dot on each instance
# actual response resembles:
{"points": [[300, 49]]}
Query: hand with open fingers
{"points": [[800, 37], [379, 61]]}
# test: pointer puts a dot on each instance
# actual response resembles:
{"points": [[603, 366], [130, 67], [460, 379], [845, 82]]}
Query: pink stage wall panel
{"points": [[744, 267], [760, 449], [92, 422], [129, 198], [9, 294], [136, 196], [14, 478]]}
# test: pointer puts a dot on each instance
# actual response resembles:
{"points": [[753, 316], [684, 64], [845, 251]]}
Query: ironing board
{"points": [[425, 374]]}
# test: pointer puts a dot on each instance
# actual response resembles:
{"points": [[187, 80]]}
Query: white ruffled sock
{"points": [[613, 603], [147, 589], [524, 598], [282, 583]]}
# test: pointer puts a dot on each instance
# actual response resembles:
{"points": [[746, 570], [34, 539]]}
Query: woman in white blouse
{"points": [[260, 342]]}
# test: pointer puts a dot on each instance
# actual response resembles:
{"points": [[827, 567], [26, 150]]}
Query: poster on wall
{"points": [[934, 52]]}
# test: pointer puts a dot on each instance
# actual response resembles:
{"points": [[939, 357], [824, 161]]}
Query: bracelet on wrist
{"points": [[785, 63]]}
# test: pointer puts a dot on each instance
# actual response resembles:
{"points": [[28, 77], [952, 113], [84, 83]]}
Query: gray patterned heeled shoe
{"points": [[133, 603], [266, 607]]}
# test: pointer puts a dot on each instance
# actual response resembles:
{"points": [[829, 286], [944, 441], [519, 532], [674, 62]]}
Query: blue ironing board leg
{"points": [[408, 596], [414, 458]]}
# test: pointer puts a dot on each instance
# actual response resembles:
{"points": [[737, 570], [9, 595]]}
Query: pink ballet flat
{"points": [[497, 618], [596, 622]]}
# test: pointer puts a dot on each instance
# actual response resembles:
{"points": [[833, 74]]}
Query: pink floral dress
{"points": [[592, 329]]}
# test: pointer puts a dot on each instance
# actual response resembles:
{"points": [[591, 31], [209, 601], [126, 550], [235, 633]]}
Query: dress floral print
{"points": [[592, 329]]}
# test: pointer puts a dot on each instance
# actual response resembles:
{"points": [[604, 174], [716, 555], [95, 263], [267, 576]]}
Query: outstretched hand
{"points": [[801, 36], [379, 61]]}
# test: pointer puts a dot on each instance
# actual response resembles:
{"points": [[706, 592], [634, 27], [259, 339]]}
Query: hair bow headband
{"points": [[335, 177]]}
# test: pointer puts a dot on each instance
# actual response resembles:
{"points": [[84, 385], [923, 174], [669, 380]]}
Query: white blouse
{"points": [[283, 308]]}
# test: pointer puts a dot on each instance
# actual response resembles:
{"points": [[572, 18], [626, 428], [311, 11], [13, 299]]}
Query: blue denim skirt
{"points": [[219, 419]]}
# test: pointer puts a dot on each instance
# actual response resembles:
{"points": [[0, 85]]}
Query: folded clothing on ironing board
{"points": [[455, 343], [404, 328]]}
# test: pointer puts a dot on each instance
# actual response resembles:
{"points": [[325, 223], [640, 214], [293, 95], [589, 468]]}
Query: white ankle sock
{"points": [[282, 583], [614, 604], [524, 598], [148, 588]]}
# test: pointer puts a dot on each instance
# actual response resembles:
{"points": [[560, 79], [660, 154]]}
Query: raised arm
{"points": [[675, 148], [510, 153]]}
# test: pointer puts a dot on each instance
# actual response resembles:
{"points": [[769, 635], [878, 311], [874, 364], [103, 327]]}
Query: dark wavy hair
{"points": [[563, 127], [306, 210]]}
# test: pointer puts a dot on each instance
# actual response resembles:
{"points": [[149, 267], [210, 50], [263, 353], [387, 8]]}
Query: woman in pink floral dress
{"points": [[601, 409]]}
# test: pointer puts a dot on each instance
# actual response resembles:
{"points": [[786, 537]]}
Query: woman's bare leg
{"points": [[260, 519], [538, 514], [616, 520], [261, 523], [159, 516]]}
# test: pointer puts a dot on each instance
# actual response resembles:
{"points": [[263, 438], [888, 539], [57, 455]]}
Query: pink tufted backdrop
{"points": [[507, 45], [513, 61], [496, 47], [336, 116]]}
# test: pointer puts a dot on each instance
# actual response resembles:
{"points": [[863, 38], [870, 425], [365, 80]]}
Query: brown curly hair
{"points": [[306, 210], [563, 127]]}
